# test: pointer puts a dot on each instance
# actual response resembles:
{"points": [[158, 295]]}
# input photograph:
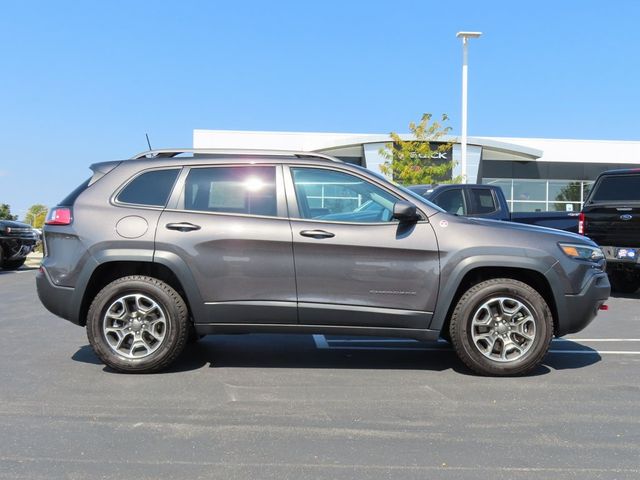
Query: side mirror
{"points": [[405, 212]]}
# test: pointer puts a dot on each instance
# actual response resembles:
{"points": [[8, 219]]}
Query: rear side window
{"points": [[452, 201], [482, 201], [151, 188], [240, 190], [618, 188]]}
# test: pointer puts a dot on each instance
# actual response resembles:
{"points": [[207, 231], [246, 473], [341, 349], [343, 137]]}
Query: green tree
{"points": [[423, 159], [568, 193], [5, 212], [36, 215]]}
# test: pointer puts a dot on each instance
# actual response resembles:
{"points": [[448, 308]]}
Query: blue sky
{"points": [[81, 82]]}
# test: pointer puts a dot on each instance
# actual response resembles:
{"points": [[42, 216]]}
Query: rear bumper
{"points": [[58, 300], [583, 307]]}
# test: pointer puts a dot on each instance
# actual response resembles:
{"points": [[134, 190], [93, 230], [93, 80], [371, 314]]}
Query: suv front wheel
{"points": [[138, 324], [501, 327]]}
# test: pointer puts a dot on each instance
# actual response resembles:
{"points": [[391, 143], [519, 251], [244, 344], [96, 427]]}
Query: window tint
{"points": [[243, 190], [336, 196], [482, 201], [151, 188], [618, 188], [452, 201]]}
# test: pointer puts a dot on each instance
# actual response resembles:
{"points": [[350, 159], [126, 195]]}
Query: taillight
{"points": [[59, 216], [582, 224]]}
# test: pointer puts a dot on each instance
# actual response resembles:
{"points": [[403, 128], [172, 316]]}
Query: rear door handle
{"points": [[316, 234], [183, 226]]}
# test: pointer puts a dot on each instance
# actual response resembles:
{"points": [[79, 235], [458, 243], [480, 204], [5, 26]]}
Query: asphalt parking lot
{"points": [[302, 407]]}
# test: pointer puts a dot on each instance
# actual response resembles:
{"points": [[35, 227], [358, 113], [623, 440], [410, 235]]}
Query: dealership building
{"points": [[536, 174]]}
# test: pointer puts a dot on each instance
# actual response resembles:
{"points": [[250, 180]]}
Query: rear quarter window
{"points": [[617, 188], [482, 201], [150, 188]]}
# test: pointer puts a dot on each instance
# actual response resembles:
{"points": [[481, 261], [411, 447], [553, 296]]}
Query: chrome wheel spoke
{"points": [[118, 335], [118, 310], [508, 346]]}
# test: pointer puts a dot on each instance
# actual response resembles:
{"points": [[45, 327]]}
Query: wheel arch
{"points": [[465, 276], [106, 272]]}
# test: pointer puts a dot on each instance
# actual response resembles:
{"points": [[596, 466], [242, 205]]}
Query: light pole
{"points": [[465, 36]]}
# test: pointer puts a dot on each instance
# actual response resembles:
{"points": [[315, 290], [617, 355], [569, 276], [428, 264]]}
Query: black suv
{"points": [[151, 249], [17, 240]]}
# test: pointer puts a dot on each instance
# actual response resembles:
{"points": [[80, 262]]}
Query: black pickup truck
{"points": [[611, 218], [488, 201], [17, 240]]}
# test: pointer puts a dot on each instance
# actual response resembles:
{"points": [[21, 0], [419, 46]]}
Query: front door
{"points": [[229, 224], [354, 264]]}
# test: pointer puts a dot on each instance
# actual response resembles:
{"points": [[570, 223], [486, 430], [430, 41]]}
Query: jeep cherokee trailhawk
{"points": [[172, 244]]}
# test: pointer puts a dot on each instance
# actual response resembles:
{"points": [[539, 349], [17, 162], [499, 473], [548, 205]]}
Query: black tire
{"points": [[175, 312], [472, 301], [623, 282], [13, 264]]}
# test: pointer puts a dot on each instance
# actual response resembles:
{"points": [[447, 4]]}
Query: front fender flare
{"points": [[449, 285]]}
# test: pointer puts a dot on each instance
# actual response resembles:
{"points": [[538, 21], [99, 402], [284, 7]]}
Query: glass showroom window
{"points": [[525, 195]]}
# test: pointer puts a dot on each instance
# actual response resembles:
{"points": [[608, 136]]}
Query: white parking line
{"points": [[356, 344], [596, 339], [598, 352]]}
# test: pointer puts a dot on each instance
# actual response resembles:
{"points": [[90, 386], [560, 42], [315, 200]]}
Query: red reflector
{"points": [[59, 216], [604, 307], [582, 224]]}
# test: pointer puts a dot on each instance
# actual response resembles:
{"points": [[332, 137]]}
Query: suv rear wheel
{"points": [[501, 327], [138, 324]]}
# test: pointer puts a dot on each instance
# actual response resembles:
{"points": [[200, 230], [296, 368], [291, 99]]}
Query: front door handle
{"points": [[183, 226], [316, 234]]}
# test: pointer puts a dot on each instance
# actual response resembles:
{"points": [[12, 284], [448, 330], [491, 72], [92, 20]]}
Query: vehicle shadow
{"points": [[21, 269], [300, 352], [633, 296]]}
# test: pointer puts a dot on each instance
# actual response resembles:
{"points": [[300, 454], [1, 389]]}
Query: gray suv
{"points": [[176, 244]]}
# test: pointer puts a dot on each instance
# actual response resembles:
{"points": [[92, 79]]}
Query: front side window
{"points": [[237, 190], [150, 189], [336, 196]]}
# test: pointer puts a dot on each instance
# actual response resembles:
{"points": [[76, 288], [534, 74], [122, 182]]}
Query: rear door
{"points": [[229, 225]]}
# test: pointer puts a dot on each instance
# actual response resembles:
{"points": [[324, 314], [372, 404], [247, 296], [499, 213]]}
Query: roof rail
{"points": [[174, 152]]}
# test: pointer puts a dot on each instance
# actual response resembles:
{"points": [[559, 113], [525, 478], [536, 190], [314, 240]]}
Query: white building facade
{"points": [[536, 174]]}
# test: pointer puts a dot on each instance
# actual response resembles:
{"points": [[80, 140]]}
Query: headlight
{"points": [[582, 252]]}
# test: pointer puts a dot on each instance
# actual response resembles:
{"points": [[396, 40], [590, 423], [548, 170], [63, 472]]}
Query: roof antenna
{"points": [[148, 142]]}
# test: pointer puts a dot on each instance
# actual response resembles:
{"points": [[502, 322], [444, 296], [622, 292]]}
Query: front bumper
{"points": [[58, 300], [15, 247], [622, 256], [583, 307]]}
